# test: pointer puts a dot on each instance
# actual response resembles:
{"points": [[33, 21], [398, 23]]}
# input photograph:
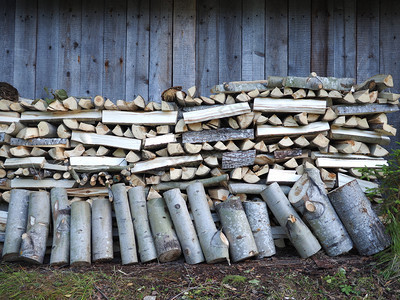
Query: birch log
{"points": [[301, 237], [165, 239], [213, 242], [102, 239], [310, 199], [125, 225], [80, 247], [257, 214], [61, 213], [138, 205], [361, 222], [184, 226], [16, 223], [237, 229], [33, 245]]}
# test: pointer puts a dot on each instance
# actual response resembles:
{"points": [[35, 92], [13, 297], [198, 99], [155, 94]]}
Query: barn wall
{"points": [[122, 48]]}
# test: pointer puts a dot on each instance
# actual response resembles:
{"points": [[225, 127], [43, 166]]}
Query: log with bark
{"points": [[257, 215], [125, 225], [237, 229], [61, 214], [184, 226], [33, 245], [223, 134], [102, 239], [165, 239], [138, 206], [301, 237], [16, 223], [80, 243], [363, 225], [310, 199]]}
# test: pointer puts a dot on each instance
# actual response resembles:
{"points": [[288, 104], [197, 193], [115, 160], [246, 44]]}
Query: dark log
{"points": [[231, 160], [40, 142], [366, 109], [223, 134]]}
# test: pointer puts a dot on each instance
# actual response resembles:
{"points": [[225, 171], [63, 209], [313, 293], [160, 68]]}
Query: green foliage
{"points": [[56, 94], [389, 188], [234, 279]]}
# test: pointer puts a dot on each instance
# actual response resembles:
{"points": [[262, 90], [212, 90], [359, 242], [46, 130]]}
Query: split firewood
{"points": [[291, 164], [276, 93], [261, 147], [202, 170], [63, 132], [300, 118], [233, 123], [46, 129], [322, 93], [195, 127], [300, 93], [373, 96], [175, 149], [57, 153], [98, 102], [389, 96], [153, 180], [362, 123], [5, 105], [254, 93], [5, 151], [377, 150], [289, 121], [36, 151], [220, 146], [320, 141], [40, 105], [243, 97], [218, 194], [102, 151], [207, 100], [85, 103], [384, 129], [175, 174], [90, 152], [86, 127], [117, 131], [301, 142], [236, 174], [339, 121], [330, 115], [140, 102], [119, 153], [312, 117], [162, 152], [350, 122], [72, 124], [231, 146], [246, 144], [159, 141], [192, 148], [335, 95], [376, 119], [229, 100], [207, 147], [17, 107], [219, 98], [273, 147], [287, 91], [109, 105], [163, 129], [28, 133], [148, 155], [188, 173], [20, 151], [379, 82], [211, 161], [285, 142], [14, 128]]}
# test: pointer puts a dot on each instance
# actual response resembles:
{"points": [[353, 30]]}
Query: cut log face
{"points": [[309, 197], [165, 239], [301, 237], [184, 227], [365, 228], [138, 205], [102, 239], [80, 251], [257, 215], [16, 223], [61, 213], [237, 229], [33, 245]]}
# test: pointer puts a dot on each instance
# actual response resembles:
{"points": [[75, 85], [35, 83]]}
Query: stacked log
{"points": [[238, 141]]}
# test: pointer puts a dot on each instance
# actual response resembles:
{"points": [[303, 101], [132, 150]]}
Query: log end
{"points": [[170, 255]]}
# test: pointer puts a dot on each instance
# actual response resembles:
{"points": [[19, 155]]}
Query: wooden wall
{"points": [[122, 48]]}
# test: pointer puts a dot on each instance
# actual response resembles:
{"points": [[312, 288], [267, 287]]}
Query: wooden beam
{"points": [[160, 140], [41, 184], [79, 115], [26, 162], [163, 162], [269, 130], [365, 136], [80, 162], [366, 109], [289, 105], [218, 112], [223, 134], [282, 176], [316, 154], [40, 142], [379, 82], [349, 163], [364, 184], [139, 118], [106, 140]]}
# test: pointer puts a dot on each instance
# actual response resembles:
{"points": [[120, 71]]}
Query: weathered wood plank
{"points": [[40, 142], [282, 176], [160, 140], [160, 67], [364, 184], [137, 49], [26, 162], [139, 118], [47, 47], [366, 109], [8, 117], [315, 155], [365, 136], [367, 31], [299, 42], [269, 130], [289, 105], [7, 29], [223, 134], [90, 161], [114, 49], [229, 37], [91, 53], [237, 159], [207, 75], [106, 140], [19, 183], [324, 162], [184, 43], [69, 53], [216, 113], [322, 37], [276, 45], [83, 115], [164, 162], [25, 47], [253, 39]]}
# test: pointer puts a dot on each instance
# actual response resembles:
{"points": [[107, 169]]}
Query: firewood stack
{"points": [[245, 137]]}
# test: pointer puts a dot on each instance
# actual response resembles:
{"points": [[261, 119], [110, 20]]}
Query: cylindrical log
{"points": [[61, 212], [16, 223], [257, 214], [183, 185], [125, 225], [184, 226], [80, 250], [213, 242], [252, 188], [138, 203], [309, 197], [102, 239], [362, 223], [165, 239], [237, 229], [298, 233], [33, 246]]}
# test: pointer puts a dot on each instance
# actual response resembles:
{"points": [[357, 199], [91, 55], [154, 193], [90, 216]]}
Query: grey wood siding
{"points": [[123, 48]]}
